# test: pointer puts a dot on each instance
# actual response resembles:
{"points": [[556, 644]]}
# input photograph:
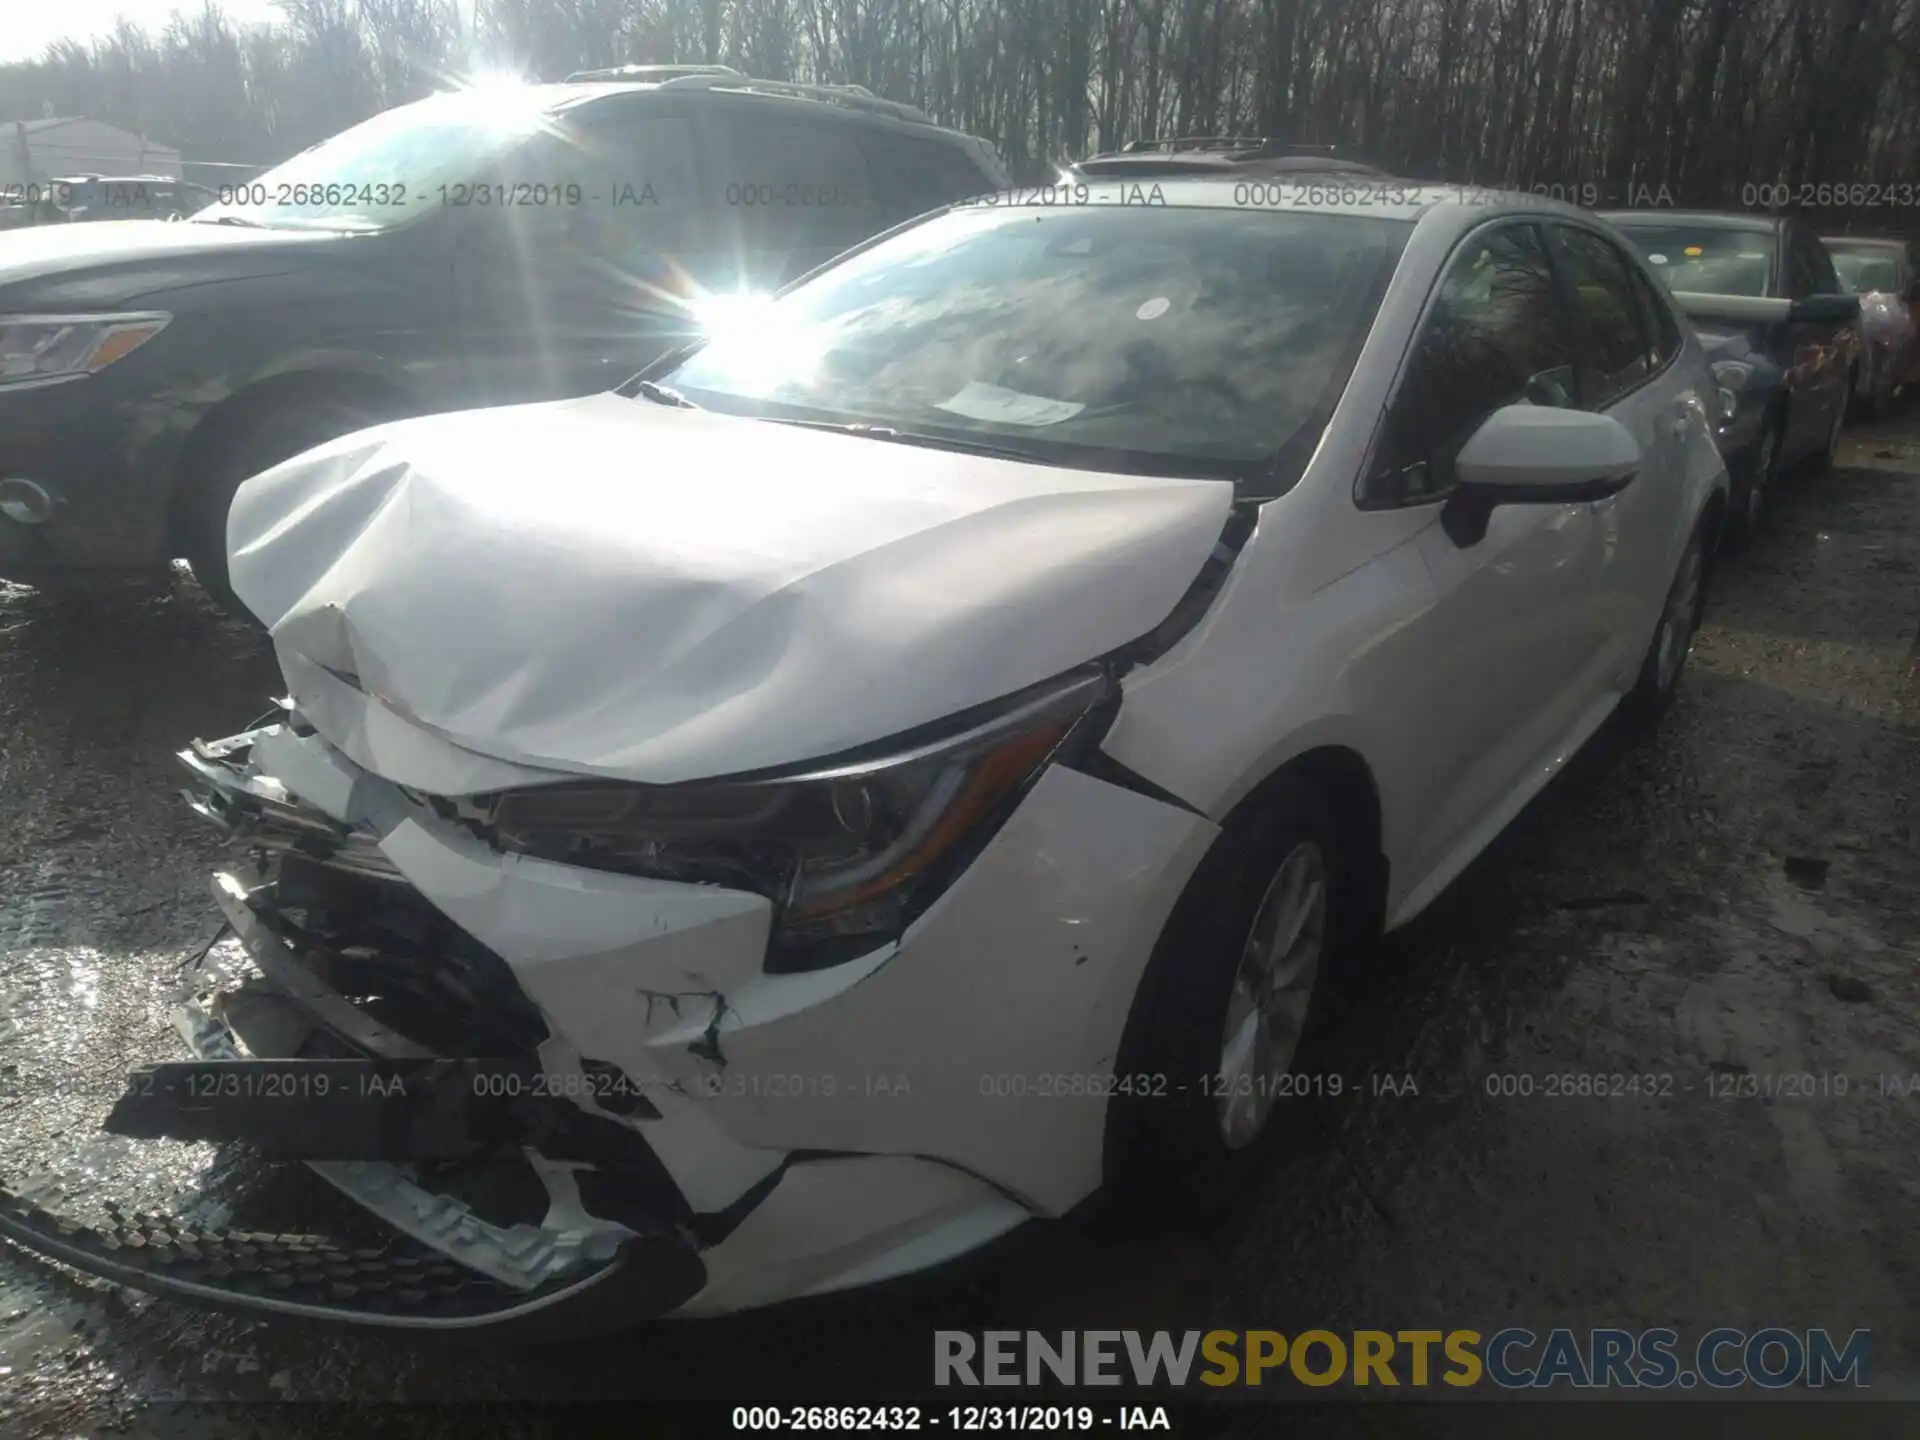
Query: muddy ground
{"points": [[1737, 896]]}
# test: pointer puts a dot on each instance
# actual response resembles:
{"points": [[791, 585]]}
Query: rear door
{"points": [[1806, 349], [790, 188], [1628, 348], [1839, 344], [913, 174], [576, 260], [1505, 660]]}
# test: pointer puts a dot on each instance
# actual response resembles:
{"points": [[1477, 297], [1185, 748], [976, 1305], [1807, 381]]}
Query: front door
{"points": [[1628, 343], [1505, 658]]}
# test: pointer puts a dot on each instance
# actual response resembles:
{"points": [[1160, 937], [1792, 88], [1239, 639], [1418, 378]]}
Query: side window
{"points": [[792, 190], [637, 190], [1496, 335], [912, 176], [1613, 345], [1803, 277], [1826, 280], [1663, 329]]}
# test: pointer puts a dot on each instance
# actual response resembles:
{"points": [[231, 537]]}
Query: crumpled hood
{"points": [[612, 587]]}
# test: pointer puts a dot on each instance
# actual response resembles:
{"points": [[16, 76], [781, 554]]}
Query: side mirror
{"points": [[1822, 309], [1537, 455]]}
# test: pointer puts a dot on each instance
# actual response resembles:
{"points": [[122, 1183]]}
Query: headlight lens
{"points": [[845, 852], [63, 347]]}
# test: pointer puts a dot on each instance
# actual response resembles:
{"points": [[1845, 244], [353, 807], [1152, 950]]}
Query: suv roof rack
{"points": [[725, 77], [1241, 146], [650, 72], [854, 97]]}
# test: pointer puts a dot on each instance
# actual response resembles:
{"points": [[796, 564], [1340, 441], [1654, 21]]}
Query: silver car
{"points": [[1882, 272]]}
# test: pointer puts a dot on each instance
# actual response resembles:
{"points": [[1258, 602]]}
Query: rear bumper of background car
{"points": [[606, 1100]]}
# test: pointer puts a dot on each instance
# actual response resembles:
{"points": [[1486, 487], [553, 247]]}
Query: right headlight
{"points": [[1730, 376], [849, 854], [38, 349]]}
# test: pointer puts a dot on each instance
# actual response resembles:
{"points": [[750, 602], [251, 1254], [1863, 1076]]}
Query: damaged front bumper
{"points": [[579, 1097]]}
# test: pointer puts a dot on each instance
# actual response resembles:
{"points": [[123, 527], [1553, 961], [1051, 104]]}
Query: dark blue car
{"points": [[1782, 332]]}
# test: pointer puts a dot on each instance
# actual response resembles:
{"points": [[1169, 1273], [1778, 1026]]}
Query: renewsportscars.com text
{"points": [[1510, 1359]]}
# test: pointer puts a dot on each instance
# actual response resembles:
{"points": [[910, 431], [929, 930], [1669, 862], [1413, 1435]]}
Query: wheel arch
{"points": [[348, 379], [1342, 776]]}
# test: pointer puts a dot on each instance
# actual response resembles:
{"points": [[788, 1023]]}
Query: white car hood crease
{"points": [[611, 587]]}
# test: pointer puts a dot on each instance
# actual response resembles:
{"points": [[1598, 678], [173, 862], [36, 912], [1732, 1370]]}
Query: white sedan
{"points": [[902, 766]]}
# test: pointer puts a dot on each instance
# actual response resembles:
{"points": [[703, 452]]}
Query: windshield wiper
{"points": [[661, 395], [917, 437], [235, 220]]}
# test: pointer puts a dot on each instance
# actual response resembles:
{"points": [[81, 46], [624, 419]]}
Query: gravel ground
{"points": [[1734, 899]]}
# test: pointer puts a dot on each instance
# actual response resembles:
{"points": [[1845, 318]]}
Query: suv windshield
{"points": [[1706, 260], [389, 169], [1177, 341], [1868, 268]]}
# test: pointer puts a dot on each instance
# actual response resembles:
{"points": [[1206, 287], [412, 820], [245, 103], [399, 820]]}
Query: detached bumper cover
{"points": [[401, 1285]]}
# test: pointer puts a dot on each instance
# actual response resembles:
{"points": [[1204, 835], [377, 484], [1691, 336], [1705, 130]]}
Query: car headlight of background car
{"points": [[849, 854], [35, 349], [1731, 376]]}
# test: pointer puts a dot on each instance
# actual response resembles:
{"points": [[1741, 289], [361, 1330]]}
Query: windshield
{"points": [[1151, 340], [386, 170], [1864, 271], [1704, 260]]}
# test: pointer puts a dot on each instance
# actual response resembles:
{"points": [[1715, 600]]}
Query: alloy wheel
{"points": [[1762, 473], [1272, 985], [1682, 614]]}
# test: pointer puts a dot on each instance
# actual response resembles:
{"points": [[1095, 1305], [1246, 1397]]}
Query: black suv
{"points": [[483, 247]]}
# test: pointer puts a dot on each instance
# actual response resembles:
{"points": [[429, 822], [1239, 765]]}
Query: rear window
{"points": [[1161, 341], [1865, 270], [912, 175], [1704, 260]]}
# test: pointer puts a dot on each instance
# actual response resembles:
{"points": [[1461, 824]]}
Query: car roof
{"points": [[852, 101], [117, 180], [1161, 163], [1386, 198], [1702, 219]]}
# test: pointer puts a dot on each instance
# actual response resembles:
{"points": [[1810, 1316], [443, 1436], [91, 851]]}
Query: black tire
{"points": [[1166, 1149], [1756, 476], [1823, 459], [257, 440], [1666, 658]]}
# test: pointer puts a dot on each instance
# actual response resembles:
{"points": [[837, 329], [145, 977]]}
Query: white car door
{"points": [[1503, 664], [1628, 373]]}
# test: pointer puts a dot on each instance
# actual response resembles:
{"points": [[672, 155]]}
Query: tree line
{"points": [[1600, 100]]}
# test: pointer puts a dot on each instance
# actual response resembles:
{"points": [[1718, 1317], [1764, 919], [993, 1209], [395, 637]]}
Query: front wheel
{"points": [[1758, 470], [1666, 657], [257, 440], [1824, 460], [1211, 1040]]}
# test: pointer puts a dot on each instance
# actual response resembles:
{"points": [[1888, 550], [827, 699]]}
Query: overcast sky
{"points": [[29, 26]]}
